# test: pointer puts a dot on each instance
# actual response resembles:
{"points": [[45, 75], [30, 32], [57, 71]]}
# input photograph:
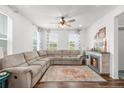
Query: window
{"points": [[74, 41], [3, 33], [35, 40], [52, 42]]}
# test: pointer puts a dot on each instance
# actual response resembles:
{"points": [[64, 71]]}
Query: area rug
{"points": [[71, 73]]}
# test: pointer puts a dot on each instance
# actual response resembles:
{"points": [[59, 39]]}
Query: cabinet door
{"points": [[105, 63]]}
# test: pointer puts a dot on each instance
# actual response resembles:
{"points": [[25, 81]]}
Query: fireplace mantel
{"points": [[102, 61]]}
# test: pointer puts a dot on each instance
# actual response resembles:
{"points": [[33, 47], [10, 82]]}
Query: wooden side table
{"points": [[4, 80]]}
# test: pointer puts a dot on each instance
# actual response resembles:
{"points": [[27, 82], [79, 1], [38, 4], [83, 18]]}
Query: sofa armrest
{"points": [[17, 70], [79, 56], [21, 77]]}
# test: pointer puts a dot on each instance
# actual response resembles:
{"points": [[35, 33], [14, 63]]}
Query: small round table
{"points": [[4, 80]]}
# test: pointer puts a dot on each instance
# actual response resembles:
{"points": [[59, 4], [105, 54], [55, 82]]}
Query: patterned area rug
{"points": [[71, 73]]}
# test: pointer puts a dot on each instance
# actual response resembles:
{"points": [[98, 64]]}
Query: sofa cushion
{"points": [[74, 52], [35, 69], [31, 56], [66, 52], [13, 60], [44, 59], [50, 52], [42, 53], [71, 58], [42, 63], [58, 52], [33, 60], [23, 65], [56, 58], [35, 54]]}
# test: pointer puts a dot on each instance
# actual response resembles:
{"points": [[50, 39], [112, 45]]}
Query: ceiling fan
{"points": [[65, 23]]}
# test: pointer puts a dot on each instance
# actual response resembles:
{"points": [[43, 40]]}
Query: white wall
{"points": [[121, 49], [83, 39], [110, 22], [22, 31]]}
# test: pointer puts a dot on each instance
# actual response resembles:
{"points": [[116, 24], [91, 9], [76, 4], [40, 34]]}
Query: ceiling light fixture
{"points": [[80, 25], [62, 25]]}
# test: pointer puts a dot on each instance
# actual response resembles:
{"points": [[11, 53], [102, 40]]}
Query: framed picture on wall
{"points": [[102, 33]]}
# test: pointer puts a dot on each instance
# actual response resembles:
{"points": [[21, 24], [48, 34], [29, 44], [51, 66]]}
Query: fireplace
{"points": [[94, 62], [99, 62]]}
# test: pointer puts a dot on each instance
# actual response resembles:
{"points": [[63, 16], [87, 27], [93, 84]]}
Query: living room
{"points": [[60, 46]]}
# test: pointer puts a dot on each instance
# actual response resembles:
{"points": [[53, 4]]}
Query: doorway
{"points": [[121, 46]]}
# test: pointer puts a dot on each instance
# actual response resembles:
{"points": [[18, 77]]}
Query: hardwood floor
{"points": [[111, 83]]}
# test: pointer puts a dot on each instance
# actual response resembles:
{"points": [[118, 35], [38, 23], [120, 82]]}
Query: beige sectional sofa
{"points": [[27, 68]]}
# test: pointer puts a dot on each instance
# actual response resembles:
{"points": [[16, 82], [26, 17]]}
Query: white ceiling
{"points": [[46, 15]]}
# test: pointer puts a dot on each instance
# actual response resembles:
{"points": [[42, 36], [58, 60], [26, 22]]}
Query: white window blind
{"points": [[74, 41], [52, 40], [35, 40]]}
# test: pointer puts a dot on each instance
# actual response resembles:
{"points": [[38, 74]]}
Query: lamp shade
{"points": [[1, 52]]}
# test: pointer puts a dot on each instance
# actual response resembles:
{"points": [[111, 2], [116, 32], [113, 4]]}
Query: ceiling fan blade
{"points": [[65, 16], [68, 25], [72, 20]]}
